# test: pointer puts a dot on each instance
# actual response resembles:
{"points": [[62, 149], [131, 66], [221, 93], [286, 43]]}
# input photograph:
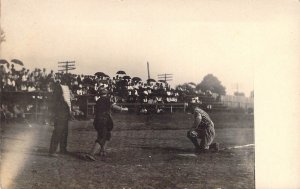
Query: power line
{"points": [[165, 77], [66, 66]]}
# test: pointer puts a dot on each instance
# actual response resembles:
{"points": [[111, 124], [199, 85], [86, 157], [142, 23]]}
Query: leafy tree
{"points": [[189, 87], [239, 93], [212, 83]]}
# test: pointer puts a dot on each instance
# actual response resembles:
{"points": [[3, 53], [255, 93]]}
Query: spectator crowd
{"points": [[122, 87]]}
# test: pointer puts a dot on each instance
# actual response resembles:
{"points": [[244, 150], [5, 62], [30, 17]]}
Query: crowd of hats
{"points": [[122, 87], [14, 77]]}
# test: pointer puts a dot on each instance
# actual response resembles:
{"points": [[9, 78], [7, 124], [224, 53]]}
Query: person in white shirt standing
{"points": [[61, 115]]}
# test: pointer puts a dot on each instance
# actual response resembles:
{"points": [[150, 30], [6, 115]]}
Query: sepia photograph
{"points": [[135, 94]]}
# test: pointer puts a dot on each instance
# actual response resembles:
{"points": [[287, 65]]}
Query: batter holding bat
{"points": [[103, 123]]}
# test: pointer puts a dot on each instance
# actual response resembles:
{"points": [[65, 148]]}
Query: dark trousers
{"points": [[59, 135], [103, 126], [206, 136]]}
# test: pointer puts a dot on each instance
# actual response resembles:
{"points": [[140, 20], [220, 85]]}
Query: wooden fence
{"points": [[238, 102], [86, 103]]}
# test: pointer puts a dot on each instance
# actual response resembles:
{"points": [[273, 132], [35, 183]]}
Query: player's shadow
{"points": [[45, 152]]}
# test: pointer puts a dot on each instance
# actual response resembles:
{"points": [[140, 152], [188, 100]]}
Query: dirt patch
{"points": [[144, 153]]}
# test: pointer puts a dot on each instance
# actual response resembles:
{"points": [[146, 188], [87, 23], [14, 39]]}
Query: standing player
{"points": [[203, 128], [103, 123], [61, 113]]}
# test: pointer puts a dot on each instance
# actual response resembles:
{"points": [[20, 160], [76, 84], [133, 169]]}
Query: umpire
{"points": [[61, 111]]}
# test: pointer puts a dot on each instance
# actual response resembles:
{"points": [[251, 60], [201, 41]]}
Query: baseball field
{"points": [[146, 151]]}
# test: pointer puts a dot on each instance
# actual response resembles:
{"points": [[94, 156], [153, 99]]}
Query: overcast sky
{"points": [[186, 38]]}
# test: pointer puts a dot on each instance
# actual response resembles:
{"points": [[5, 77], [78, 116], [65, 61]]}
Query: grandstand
{"points": [[28, 93]]}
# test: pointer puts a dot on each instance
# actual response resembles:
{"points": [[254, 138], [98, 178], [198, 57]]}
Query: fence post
{"points": [[87, 106], [36, 108]]}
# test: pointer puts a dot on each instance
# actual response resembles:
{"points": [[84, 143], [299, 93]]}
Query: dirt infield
{"points": [[146, 151]]}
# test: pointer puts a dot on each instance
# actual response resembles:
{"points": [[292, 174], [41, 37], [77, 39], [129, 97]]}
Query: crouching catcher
{"points": [[203, 129]]}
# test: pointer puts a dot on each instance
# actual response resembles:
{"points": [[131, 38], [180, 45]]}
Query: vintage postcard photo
{"points": [[137, 94]]}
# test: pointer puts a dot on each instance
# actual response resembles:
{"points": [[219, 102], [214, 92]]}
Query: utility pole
{"points": [[165, 77], [148, 70], [66, 66], [237, 87]]}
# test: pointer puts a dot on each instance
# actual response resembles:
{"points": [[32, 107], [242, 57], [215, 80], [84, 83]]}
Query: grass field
{"points": [[146, 151]]}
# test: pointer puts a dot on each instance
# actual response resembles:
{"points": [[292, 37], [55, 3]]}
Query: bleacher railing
{"points": [[39, 99]]}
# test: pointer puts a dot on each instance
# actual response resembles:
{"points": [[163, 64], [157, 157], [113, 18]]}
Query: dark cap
{"points": [[103, 92]]}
